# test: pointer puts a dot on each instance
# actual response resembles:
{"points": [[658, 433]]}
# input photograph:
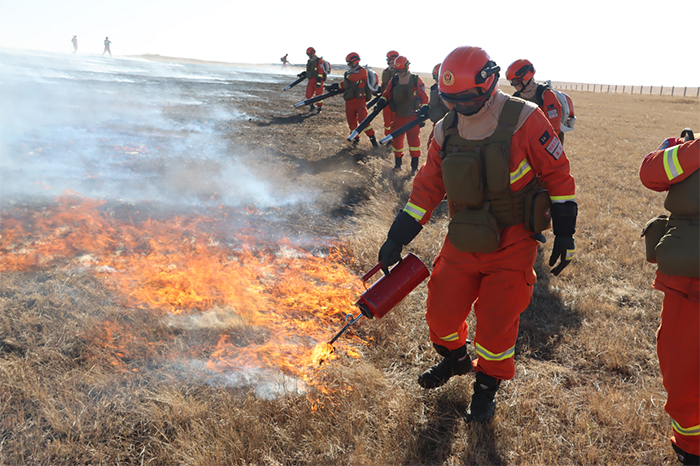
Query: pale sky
{"points": [[595, 41]]}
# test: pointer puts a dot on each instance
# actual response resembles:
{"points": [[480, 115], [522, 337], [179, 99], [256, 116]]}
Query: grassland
{"points": [[587, 388]]}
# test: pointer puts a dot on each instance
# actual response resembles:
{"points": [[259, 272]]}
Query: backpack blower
{"points": [[388, 291]]}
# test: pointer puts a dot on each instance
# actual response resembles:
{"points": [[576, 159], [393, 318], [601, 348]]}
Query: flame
{"points": [[275, 303]]}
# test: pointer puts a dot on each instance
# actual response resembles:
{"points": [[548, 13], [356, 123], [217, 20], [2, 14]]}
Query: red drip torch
{"points": [[388, 291]]}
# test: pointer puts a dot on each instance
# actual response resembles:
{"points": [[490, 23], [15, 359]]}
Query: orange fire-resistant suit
{"points": [[498, 284], [316, 76], [404, 98], [545, 98], [355, 95], [678, 336], [387, 113]]}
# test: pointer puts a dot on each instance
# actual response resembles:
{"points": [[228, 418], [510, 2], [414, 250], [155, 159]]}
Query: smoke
{"points": [[125, 130]]}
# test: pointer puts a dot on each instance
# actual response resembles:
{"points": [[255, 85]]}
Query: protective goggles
{"points": [[516, 82]]}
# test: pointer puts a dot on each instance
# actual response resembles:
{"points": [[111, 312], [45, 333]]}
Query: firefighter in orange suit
{"points": [[674, 167], [404, 94], [488, 257], [521, 75], [437, 109], [356, 95], [387, 74], [316, 75]]}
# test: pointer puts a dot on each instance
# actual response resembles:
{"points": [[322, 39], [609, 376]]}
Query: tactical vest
{"points": [[405, 96], [354, 89], [476, 175], [311, 69], [437, 108], [673, 242], [387, 74]]}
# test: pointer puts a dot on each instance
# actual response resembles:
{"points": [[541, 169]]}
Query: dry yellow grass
{"points": [[587, 388]]}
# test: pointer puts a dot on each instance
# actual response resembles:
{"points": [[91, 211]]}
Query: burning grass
{"points": [[134, 336]]}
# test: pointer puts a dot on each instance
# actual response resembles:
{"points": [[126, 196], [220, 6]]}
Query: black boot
{"points": [[397, 163], [414, 164], [312, 107], [356, 141], [456, 362], [684, 457], [319, 108], [483, 407], [373, 140]]}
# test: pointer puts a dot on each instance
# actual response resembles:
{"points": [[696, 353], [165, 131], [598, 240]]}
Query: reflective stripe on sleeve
{"points": [[671, 164], [489, 356], [522, 169], [691, 431], [414, 211], [451, 337], [561, 198]]}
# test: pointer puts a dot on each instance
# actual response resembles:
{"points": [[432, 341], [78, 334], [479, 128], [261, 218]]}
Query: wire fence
{"points": [[625, 89]]}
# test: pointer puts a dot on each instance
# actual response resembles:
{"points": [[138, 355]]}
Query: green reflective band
{"points": [[671, 164], [399, 151], [489, 356], [414, 211], [570, 254], [691, 431], [367, 128], [562, 198], [413, 148], [522, 169], [452, 337]]}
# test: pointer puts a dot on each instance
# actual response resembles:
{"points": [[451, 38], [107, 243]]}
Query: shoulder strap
{"points": [[541, 87], [508, 120]]}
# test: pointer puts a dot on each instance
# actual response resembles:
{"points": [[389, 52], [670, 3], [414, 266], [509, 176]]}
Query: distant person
{"points": [[673, 243], [355, 84], [387, 74], [284, 60], [437, 107], [521, 74], [487, 259], [316, 74], [107, 49], [404, 94], [74, 41]]}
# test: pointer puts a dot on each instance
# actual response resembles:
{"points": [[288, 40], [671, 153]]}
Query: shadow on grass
{"points": [[541, 324], [443, 438], [288, 120]]}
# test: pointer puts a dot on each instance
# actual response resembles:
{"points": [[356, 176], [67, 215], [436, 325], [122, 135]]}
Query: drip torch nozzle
{"points": [[350, 319]]}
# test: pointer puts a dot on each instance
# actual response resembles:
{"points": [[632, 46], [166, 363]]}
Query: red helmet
{"points": [[436, 71], [520, 71], [352, 59], [468, 69], [310, 51], [391, 55], [401, 63]]}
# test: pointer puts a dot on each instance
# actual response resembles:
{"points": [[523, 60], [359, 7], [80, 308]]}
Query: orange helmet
{"points": [[520, 71], [467, 69], [352, 59], [401, 63], [310, 51], [436, 71], [391, 55]]}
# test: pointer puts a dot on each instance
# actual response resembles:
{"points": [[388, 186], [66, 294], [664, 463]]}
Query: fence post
{"points": [[698, 94], [608, 88], [615, 88], [672, 90], [623, 88], [685, 89], [650, 89], [641, 89], [662, 90]]}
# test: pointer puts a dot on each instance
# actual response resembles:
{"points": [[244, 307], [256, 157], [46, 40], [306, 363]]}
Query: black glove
{"points": [[333, 87], [381, 103], [423, 111], [302, 74], [402, 232], [564, 226], [389, 254], [687, 135]]}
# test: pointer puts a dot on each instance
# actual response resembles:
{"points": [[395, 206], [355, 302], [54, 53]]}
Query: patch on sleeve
{"points": [[544, 138], [554, 148], [552, 113]]}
